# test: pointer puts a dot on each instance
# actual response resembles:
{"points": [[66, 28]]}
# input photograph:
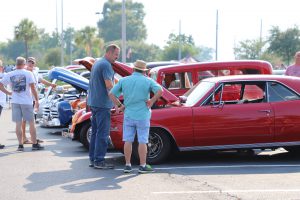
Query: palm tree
{"points": [[26, 31], [87, 39]]}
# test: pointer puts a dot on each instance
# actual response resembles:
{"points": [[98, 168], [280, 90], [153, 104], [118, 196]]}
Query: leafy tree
{"points": [[205, 54], [285, 43], [87, 39], [249, 49], [141, 50], [12, 49], [69, 36], [48, 41], [110, 25], [188, 48], [52, 57], [26, 31]]}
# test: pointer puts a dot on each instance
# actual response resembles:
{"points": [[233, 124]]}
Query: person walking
{"points": [[294, 70], [101, 81], [2, 95], [137, 111], [31, 66], [23, 87]]}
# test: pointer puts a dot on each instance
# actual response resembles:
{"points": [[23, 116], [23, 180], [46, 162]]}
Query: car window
{"points": [[153, 75], [199, 91], [181, 80], [238, 93], [278, 92]]}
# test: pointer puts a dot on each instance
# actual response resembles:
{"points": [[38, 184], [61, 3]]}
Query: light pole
{"points": [[179, 38], [123, 32], [217, 31], [62, 33]]}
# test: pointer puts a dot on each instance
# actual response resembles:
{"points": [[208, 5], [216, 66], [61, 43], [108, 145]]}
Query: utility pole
{"points": [[260, 38], [179, 38], [123, 32], [62, 34], [217, 30], [56, 20]]}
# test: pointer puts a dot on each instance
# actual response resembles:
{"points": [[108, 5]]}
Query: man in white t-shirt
{"points": [[37, 79], [2, 95], [23, 87]]}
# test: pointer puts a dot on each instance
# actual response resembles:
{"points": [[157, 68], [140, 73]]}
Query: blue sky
{"points": [[238, 19]]}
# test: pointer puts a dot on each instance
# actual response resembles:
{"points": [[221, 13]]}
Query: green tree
{"points": [[110, 25], [205, 54], [12, 49], [48, 41], [86, 38], [141, 50], [52, 57], [188, 48], [26, 31], [284, 44], [249, 49]]}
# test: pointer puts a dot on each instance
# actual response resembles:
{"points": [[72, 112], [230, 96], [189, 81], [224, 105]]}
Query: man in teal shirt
{"points": [[137, 111]]}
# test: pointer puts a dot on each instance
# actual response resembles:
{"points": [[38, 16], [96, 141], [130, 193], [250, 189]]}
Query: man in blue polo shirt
{"points": [[101, 81], [137, 111]]}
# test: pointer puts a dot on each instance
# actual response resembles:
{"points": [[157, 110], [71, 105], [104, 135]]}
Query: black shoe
{"points": [[37, 146], [2, 146], [127, 169], [103, 165], [20, 147], [91, 164]]}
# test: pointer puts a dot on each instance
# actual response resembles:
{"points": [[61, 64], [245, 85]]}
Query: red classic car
{"points": [[228, 112], [177, 78]]}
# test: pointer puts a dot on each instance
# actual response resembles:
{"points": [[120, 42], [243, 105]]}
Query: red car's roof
{"points": [[263, 66]]}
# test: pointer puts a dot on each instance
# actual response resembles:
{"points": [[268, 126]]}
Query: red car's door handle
{"points": [[266, 111]]}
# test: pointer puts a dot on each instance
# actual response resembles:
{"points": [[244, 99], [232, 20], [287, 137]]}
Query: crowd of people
{"points": [[103, 95]]}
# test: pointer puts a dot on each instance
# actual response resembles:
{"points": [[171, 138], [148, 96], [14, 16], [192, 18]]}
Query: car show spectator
{"points": [[31, 66], [23, 87], [136, 90], [294, 70], [101, 81], [2, 95]]}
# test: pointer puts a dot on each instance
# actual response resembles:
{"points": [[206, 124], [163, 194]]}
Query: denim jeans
{"points": [[100, 134]]}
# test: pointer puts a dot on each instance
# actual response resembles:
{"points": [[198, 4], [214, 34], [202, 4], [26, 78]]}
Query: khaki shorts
{"points": [[22, 112]]}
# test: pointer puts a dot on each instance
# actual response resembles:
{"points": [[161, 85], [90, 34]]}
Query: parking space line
{"points": [[227, 191], [227, 166], [217, 167]]}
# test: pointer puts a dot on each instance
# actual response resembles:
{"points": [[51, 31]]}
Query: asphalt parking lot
{"points": [[61, 172]]}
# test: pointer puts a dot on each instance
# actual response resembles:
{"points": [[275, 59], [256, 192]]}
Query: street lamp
{"points": [[123, 32], [62, 33]]}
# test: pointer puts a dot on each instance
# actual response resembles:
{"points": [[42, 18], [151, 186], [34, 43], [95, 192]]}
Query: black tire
{"points": [[159, 147], [85, 134]]}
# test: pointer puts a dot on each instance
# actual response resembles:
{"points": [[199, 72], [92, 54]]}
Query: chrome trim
{"points": [[240, 146]]}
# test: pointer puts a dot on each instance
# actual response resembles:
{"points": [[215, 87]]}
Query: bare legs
{"points": [[142, 153]]}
